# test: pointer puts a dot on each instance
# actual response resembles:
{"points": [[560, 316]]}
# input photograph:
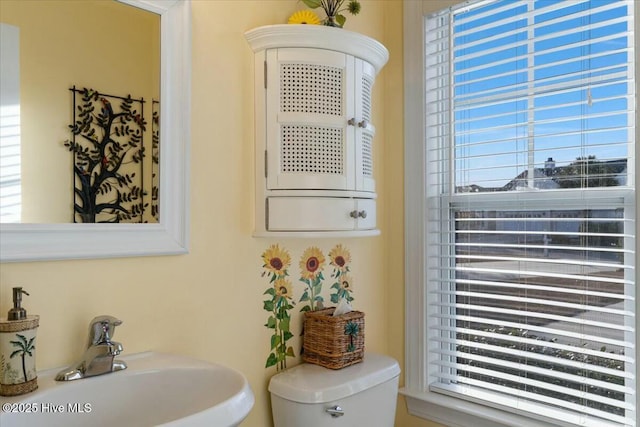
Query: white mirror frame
{"points": [[39, 242]]}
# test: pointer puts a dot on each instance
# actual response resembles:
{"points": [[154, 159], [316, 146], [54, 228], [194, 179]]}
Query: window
{"points": [[520, 160]]}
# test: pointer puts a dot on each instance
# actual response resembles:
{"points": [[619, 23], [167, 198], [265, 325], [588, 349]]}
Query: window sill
{"points": [[454, 412]]}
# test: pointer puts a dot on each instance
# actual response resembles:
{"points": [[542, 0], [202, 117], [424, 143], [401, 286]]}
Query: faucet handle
{"points": [[101, 328]]}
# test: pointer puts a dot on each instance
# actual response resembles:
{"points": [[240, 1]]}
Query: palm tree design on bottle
{"points": [[25, 347]]}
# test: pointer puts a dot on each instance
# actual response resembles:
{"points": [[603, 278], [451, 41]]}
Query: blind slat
{"points": [[550, 331], [525, 340], [545, 274], [530, 259], [496, 395], [529, 382], [548, 288], [546, 302], [562, 403], [549, 360]]}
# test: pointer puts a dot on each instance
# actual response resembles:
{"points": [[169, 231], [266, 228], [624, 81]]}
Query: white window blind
{"points": [[10, 181], [530, 139]]}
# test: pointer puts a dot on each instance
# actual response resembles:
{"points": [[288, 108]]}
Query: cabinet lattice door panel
{"points": [[319, 134], [365, 76]]}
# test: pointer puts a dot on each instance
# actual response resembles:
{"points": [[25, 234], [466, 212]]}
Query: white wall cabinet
{"points": [[314, 131]]}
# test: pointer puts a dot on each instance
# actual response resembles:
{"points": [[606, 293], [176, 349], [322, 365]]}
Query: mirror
{"points": [[31, 242], [51, 51]]}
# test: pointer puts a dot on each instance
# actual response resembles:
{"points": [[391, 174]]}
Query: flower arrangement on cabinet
{"points": [[276, 264], [332, 9]]}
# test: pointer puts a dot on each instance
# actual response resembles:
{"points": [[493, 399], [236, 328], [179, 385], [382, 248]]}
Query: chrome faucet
{"points": [[99, 358]]}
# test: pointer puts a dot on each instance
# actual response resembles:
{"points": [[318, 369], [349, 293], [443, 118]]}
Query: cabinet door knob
{"points": [[362, 214], [352, 121], [354, 214], [363, 124]]}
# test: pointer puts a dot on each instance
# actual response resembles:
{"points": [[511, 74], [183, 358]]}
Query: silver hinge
{"points": [[265, 74], [266, 165]]}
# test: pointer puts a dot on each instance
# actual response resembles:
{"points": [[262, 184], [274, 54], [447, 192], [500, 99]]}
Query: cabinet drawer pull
{"points": [[358, 214], [352, 121], [363, 124]]}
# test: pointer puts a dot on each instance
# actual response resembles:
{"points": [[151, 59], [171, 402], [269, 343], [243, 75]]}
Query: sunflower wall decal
{"points": [[311, 266], [339, 259], [276, 264]]}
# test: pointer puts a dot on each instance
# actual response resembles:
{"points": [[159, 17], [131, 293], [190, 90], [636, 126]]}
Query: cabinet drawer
{"points": [[319, 214]]}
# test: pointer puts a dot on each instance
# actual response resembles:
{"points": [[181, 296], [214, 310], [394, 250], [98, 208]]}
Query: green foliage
{"points": [[313, 4], [332, 9], [588, 172], [311, 295], [271, 322], [341, 291], [271, 360], [278, 305]]}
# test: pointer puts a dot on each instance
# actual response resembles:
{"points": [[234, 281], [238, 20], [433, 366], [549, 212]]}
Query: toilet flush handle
{"points": [[336, 411]]}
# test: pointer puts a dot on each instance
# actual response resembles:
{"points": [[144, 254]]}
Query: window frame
{"points": [[421, 402]]}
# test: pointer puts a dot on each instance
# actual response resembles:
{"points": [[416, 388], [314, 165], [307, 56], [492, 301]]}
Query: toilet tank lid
{"points": [[308, 383]]}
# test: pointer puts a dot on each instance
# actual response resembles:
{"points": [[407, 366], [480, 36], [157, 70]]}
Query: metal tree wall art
{"points": [[155, 159], [108, 149]]}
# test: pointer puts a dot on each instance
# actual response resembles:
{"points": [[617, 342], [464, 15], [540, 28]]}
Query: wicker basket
{"points": [[333, 342]]}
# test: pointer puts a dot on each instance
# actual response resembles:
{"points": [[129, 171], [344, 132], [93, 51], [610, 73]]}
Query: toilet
{"points": [[359, 395]]}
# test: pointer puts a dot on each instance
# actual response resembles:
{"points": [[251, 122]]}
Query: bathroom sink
{"points": [[155, 389]]}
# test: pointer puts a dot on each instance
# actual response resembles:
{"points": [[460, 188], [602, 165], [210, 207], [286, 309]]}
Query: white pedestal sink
{"points": [[155, 389]]}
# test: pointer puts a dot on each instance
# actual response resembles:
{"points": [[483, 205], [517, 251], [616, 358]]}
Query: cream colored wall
{"points": [[101, 45], [208, 303], [394, 189]]}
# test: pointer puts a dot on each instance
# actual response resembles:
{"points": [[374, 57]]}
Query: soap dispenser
{"points": [[17, 349]]}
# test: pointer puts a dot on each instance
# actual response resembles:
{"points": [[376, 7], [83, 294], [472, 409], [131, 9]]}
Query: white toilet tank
{"points": [[359, 395]]}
